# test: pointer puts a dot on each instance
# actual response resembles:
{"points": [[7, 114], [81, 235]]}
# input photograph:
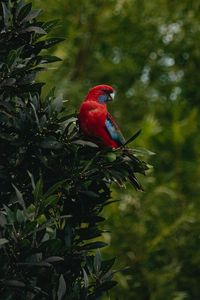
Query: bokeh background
{"points": [[150, 52]]}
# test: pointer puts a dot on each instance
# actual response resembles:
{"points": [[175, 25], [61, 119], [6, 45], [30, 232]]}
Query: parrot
{"points": [[97, 123]]}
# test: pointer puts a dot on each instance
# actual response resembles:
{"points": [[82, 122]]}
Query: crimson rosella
{"points": [[97, 124], [95, 120]]}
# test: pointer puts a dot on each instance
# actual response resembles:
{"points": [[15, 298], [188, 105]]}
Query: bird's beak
{"points": [[111, 96]]}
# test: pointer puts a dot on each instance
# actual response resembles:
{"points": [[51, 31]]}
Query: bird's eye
{"points": [[106, 91]]}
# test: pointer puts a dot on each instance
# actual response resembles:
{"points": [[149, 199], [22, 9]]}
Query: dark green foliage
{"points": [[149, 51], [53, 183]]}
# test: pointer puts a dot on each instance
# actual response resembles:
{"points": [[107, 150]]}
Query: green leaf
{"points": [[52, 41], [85, 143], [93, 245], [54, 259], [20, 4], [34, 29], [51, 246], [51, 201], [61, 288], [37, 193], [20, 216], [34, 13], [133, 137], [106, 265], [85, 278], [49, 59], [15, 283], [142, 152], [51, 143], [97, 262], [3, 221], [89, 233], [32, 179], [48, 26], [90, 194], [6, 14], [10, 214], [19, 197], [11, 58], [24, 12], [54, 188], [57, 104], [3, 242], [30, 227]]}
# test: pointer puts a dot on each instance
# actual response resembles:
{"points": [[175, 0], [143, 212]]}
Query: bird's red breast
{"points": [[92, 116]]}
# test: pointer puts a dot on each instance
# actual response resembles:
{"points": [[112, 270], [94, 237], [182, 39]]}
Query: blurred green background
{"points": [[150, 52]]}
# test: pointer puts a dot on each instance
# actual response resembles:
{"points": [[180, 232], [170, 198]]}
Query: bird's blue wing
{"points": [[114, 131]]}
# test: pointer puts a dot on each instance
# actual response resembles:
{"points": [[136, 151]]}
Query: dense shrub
{"points": [[54, 183]]}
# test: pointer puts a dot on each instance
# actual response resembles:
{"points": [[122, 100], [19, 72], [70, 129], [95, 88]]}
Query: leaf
{"points": [[89, 233], [93, 245], [3, 221], [106, 265], [61, 288], [85, 278], [20, 4], [11, 58], [52, 41], [32, 179], [51, 143], [54, 259], [54, 188], [34, 13], [51, 246], [35, 29], [30, 227], [19, 197], [70, 121], [3, 242], [36, 116], [133, 137], [97, 261], [37, 193], [6, 14], [51, 201], [90, 194], [20, 216], [10, 214], [15, 283], [47, 26], [8, 82], [49, 59], [142, 152], [57, 104], [23, 12], [85, 143]]}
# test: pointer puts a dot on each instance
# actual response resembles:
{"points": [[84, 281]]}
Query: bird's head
{"points": [[101, 93]]}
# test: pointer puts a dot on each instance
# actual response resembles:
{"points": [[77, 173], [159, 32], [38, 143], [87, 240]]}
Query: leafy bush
{"points": [[54, 184]]}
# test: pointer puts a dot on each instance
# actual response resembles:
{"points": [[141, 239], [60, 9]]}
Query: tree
{"points": [[150, 51], [54, 183]]}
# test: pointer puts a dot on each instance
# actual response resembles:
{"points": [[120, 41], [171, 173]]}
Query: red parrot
{"points": [[95, 120], [97, 124]]}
